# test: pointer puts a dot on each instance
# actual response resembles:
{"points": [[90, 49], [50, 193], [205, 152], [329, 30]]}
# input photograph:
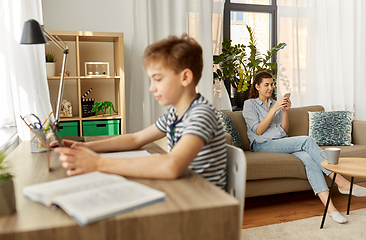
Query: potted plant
{"points": [[238, 64], [7, 196], [51, 64]]}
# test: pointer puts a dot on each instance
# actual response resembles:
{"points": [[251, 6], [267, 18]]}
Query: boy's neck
{"points": [[184, 103]]}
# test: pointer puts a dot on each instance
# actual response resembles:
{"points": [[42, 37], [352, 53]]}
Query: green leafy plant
{"points": [[238, 64], [4, 174], [50, 57]]}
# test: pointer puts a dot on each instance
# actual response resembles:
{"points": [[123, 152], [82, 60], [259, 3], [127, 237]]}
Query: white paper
{"points": [[127, 154]]}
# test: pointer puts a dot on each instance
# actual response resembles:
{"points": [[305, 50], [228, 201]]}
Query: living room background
{"points": [[142, 22]]}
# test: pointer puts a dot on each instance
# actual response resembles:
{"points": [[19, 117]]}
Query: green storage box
{"points": [[101, 127], [69, 129]]}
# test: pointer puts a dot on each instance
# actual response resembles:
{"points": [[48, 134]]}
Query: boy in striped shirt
{"points": [[192, 126]]}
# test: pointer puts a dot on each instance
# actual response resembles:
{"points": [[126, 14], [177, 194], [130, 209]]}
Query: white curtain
{"points": [[25, 71], [324, 61], [221, 99], [7, 113], [154, 20]]}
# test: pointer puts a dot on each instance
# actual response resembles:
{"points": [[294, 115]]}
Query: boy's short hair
{"points": [[176, 54]]}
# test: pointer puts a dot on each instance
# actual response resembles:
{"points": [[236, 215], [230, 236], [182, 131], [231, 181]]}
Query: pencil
{"points": [[25, 122], [46, 119]]}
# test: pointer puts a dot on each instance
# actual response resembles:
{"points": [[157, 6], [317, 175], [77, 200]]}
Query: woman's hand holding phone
{"points": [[286, 97]]}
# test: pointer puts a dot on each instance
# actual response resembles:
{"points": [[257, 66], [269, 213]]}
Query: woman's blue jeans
{"points": [[306, 150]]}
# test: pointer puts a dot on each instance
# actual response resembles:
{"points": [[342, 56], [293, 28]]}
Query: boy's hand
{"points": [[66, 143], [78, 159]]}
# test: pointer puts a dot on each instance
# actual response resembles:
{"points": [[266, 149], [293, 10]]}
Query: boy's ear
{"points": [[186, 77]]}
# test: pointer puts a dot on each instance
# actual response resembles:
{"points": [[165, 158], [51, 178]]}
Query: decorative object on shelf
{"points": [[33, 33], [87, 104], [96, 69], [7, 195], [108, 104], [97, 107], [67, 73], [66, 108], [50, 64], [103, 107], [239, 67]]}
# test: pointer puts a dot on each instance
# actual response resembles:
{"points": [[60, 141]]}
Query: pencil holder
{"points": [[38, 140]]}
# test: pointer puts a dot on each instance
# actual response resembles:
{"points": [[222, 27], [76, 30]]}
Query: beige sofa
{"points": [[274, 173]]}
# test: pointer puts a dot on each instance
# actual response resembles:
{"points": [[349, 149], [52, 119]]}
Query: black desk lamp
{"points": [[33, 33]]}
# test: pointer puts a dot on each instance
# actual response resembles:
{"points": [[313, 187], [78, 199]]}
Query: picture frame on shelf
{"points": [[96, 69], [66, 108]]}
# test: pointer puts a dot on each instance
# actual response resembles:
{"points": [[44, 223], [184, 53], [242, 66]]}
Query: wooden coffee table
{"points": [[353, 167]]}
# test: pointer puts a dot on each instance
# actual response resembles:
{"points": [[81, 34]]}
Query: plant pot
{"points": [[7, 197], [51, 69], [240, 97]]}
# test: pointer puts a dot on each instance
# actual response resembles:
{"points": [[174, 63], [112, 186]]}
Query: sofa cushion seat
{"points": [[281, 165], [273, 165]]}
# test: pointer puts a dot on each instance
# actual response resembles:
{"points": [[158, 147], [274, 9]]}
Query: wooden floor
{"points": [[260, 211]]}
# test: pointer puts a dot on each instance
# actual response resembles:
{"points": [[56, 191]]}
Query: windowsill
{"points": [[8, 136]]}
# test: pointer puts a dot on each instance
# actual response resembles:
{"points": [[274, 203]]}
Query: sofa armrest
{"points": [[359, 132], [229, 139]]}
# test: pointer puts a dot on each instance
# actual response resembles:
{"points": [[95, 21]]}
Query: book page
{"points": [[96, 204], [46, 192]]}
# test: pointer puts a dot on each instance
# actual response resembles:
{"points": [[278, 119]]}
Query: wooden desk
{"points": [[194, 209], [353, 167]]}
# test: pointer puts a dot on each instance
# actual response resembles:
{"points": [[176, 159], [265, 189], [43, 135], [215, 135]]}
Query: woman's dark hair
{"points": [[253, 93]]}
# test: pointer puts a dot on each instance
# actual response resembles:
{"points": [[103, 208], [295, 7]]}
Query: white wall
{"points": [[93, 15]]}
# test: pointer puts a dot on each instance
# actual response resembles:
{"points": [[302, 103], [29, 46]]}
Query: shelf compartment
{"points": [[71, 58], [102, 52], [70, 94], [103, 90]]}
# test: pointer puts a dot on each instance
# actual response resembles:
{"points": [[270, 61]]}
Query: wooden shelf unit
{"points": [[86, 46]]}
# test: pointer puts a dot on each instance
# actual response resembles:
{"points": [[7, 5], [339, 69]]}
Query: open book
{"points": [[93, 196]]}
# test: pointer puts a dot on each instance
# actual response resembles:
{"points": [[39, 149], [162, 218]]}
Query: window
{"points": [[260, 15]]}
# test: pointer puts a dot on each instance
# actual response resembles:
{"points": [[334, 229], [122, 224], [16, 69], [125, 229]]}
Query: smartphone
{"points": [[55, 131], [287, 95]]}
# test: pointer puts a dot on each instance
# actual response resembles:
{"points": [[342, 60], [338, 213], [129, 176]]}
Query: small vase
{"points": [[7, 197], [51, 69]]}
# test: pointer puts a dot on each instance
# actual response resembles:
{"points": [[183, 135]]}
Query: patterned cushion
{"points": [[230, 128], [331, 128]]}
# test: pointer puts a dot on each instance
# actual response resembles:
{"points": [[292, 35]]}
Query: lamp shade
{"points": [[32, 33]]}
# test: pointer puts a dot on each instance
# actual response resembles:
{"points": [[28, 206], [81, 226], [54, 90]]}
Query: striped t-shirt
{"points": [[201, 119]]}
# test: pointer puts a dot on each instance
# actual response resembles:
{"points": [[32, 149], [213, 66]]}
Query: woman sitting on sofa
{"points": [[267, 123]]}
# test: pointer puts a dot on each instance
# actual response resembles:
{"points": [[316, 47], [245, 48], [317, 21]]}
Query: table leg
{"points": [[328, 200], [350, 195]]}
